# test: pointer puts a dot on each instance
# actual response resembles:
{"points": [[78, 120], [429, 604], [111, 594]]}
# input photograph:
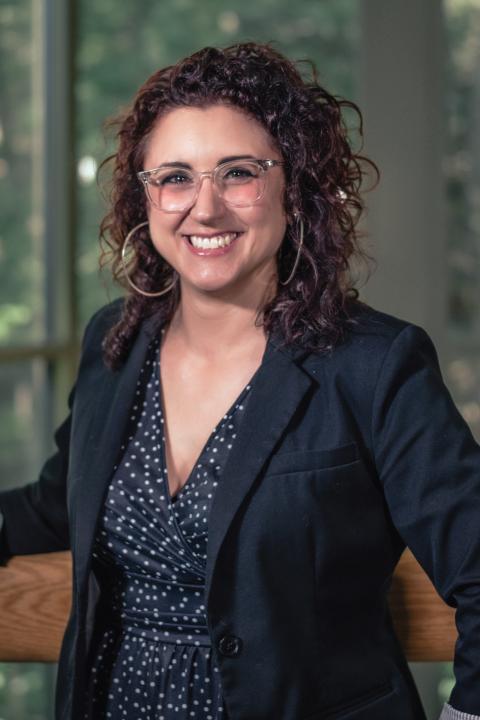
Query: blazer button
{"points": [[230, 645]]}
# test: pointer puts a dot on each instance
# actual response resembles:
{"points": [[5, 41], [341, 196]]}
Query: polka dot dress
{"points": [[152, 657]]}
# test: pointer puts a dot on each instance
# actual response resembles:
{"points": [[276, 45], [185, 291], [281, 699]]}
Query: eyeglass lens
{"points": [[238, 183]]}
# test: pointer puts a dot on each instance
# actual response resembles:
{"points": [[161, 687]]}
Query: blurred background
{"points": [[66, 66]]}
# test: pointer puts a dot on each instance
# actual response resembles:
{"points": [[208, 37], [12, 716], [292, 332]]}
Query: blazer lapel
{"points": [[266, 416], [114, 403], [279, 388]]}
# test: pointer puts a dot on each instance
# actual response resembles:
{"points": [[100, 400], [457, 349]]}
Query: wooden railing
{"points": [[35, 597]]}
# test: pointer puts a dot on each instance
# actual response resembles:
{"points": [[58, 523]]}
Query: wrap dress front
{"points": [[152, 656]]}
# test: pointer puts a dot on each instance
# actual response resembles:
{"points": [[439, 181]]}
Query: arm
{"points": [[429, 466], [35, 516]]}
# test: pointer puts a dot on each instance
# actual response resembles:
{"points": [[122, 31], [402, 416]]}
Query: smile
{"points": [[215, 241], [213, 245]]}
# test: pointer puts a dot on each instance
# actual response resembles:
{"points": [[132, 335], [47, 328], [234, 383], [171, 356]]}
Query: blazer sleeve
{"points": [[429, 466], [35, 517]]}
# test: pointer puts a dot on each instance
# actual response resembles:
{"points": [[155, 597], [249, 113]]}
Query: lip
{"points": [[210, 252]]}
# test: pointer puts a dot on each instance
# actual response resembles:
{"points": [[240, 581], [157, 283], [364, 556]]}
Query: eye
{"points": [[170, 178], [240, 173]]}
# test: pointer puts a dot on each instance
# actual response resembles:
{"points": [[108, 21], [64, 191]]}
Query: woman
{"points": [[335, 442]]}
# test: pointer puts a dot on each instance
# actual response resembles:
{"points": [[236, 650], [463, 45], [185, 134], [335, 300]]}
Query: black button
{"points": [[229, 645]]}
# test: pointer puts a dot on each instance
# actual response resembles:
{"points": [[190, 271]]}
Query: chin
{"points": [[213, 287], [212, 283]]}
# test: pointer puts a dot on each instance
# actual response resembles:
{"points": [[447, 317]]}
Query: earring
{"points": [[125, 269], [300, 245]]}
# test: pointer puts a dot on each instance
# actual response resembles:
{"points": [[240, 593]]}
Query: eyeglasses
{"points": [[238, 182]]}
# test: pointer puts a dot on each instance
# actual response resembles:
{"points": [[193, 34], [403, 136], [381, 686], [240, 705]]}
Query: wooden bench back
{"points": [[35, 598]]}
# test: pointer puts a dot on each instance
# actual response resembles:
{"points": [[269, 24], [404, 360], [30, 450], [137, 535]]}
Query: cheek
{"points": [[270, 218], [275, 212], [161, 228], [277, 231], [274, 225]]}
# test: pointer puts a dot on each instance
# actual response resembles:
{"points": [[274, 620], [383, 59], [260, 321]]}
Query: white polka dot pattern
{"points": [[153, 658]]}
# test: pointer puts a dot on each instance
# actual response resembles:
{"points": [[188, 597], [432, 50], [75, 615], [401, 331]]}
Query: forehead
{"points": [[201, 136]]}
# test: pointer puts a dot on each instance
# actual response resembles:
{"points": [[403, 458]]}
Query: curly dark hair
{"points": [[323, 179]]}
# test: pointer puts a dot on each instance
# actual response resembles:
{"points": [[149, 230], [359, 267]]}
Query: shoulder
{"points": [[373, 326], [372, 340], [97, 328], [374, 331], [104, 318]]}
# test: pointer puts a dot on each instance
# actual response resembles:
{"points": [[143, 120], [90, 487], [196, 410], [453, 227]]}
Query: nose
{"points": [[208, 205]]}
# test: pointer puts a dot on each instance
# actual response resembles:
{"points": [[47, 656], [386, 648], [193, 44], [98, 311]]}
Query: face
{"points": [[202, 137]]}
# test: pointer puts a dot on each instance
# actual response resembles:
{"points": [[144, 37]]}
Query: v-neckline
{"points": [[172, 499], [227, 416]]}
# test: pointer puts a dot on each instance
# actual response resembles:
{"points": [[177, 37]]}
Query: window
{"points": [[462, 175], [36, 352]]}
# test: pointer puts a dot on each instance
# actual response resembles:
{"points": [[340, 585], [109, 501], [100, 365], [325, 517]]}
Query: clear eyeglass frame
{"points": [[146, 176]]}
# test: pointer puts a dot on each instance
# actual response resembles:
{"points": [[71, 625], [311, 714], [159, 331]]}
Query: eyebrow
{"points": [[187, 166]]}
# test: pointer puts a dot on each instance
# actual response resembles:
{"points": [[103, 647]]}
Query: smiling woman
{"points": [[243, 207], [250, 448], [194, 117]]}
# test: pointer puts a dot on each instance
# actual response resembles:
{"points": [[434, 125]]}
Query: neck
{"points": [[215, 326]]}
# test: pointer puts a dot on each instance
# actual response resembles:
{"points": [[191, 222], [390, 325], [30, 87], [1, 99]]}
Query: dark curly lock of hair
{"points": [[323, 179]]}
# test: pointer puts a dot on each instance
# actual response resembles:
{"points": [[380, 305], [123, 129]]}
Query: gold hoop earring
{"points": [[125, 268], [300, 245]]}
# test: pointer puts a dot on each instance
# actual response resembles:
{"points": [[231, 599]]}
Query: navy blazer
{"points": [[342, 460]]}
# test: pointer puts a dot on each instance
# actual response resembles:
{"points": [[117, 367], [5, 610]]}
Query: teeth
{"points": [[213, 242]]}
